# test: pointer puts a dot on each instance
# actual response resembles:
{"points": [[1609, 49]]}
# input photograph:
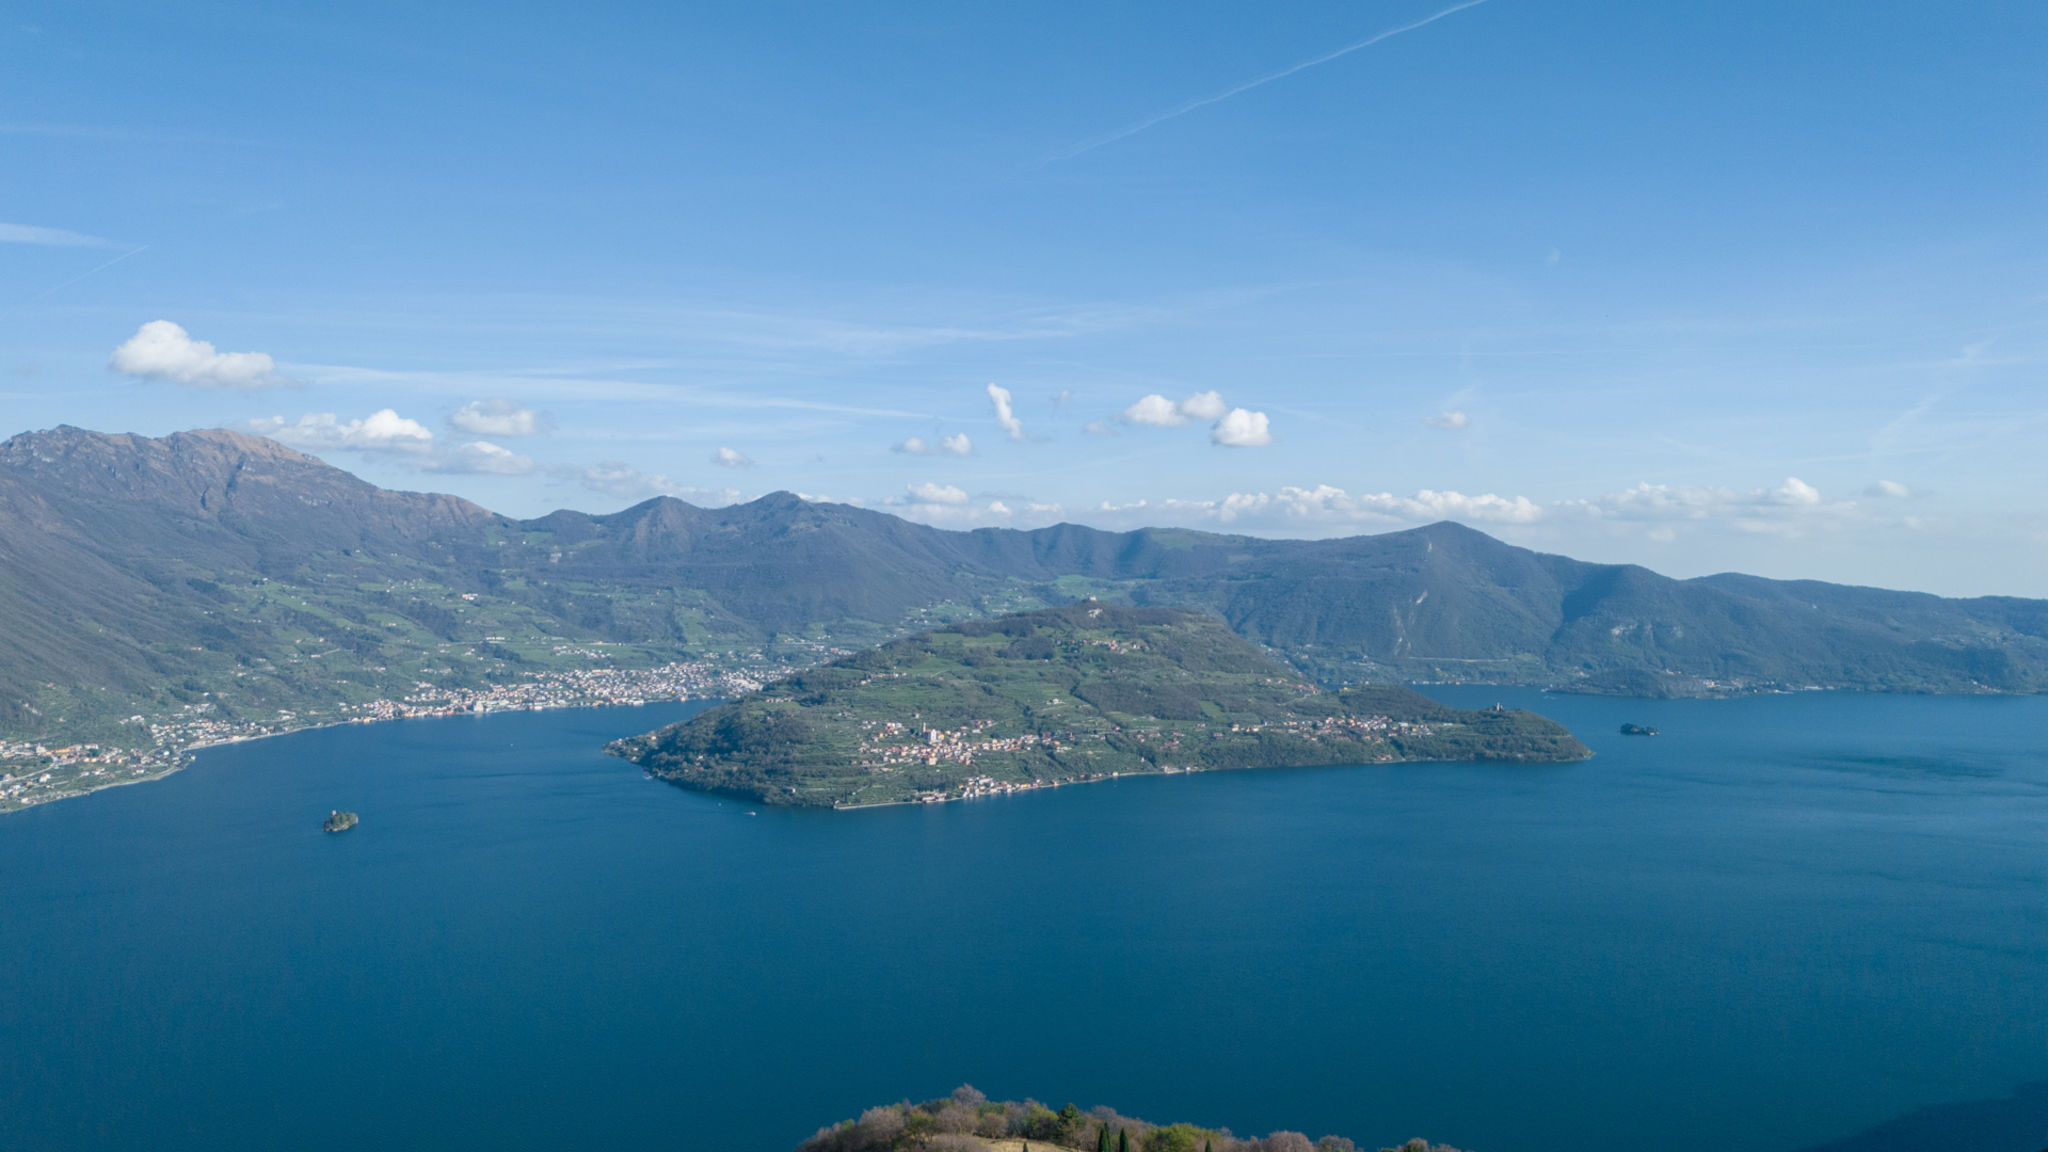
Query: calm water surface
{"points": [[1785, 919]]}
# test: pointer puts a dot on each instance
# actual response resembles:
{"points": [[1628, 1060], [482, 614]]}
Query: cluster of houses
{"points": [[31, 773], [578, 688], [934, 746], [1364, 726]]}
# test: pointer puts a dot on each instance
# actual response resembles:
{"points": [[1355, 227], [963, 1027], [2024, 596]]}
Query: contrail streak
{"points": [[93, 271], [1248, 85]]}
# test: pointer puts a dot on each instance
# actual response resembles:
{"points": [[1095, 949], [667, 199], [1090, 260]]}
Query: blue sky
{"points": [[1750, 286]]}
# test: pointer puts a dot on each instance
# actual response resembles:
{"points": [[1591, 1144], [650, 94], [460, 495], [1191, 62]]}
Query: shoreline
{"points": [[922, 801], [183, 756], [1177, 770]]}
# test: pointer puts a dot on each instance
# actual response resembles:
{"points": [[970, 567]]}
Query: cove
{"points": [[1785, 920]]}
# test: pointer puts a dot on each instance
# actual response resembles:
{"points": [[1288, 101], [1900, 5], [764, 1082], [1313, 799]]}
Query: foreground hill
{"points": [[1060, 696], [967, 1121], [210, 584]]}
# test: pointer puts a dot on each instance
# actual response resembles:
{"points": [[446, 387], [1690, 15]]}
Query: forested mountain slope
{"points": [[140, 574]]}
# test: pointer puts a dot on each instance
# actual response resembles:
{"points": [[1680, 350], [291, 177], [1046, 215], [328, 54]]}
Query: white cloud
{"points": [[482, 456], [624, 480], [1795, 491], [161, 350], [728, 458], [49, 237], [1204, 406], [1158, 412], [1326, 503], [957, 510], [1005, 414], [1241, 428], [1889, 490], [381, 431], [1780, 509], [1155, 411], [936, 494], [1449, 421], [1098, 428], [1661, 511], [498, 418], [955, 445], [386, 432]]}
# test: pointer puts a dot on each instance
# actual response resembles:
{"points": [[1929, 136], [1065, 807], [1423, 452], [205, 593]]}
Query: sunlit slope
{"points": [[1056, 696], [144, 576]]}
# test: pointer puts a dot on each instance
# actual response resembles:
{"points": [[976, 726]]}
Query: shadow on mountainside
{"points": [[2016, 1123]]}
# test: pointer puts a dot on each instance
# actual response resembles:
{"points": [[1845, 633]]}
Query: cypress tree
{"points": [[1102, 1139], [1123, 1140]]}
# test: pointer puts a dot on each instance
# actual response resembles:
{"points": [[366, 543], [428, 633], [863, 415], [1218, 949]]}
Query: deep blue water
{"points": [[1785, 919]]}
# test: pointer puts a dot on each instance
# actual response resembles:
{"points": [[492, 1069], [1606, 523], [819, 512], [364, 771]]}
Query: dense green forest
{"points": [[1056, 696]]}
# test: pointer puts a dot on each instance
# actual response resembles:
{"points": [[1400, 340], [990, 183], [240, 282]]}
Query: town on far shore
{"points": [[34, 773]]}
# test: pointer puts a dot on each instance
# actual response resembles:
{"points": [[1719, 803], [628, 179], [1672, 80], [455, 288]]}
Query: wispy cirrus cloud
{"points": [[50, 237]]}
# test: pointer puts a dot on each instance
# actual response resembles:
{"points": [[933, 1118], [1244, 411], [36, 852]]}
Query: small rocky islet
{"points": [[339, 821], [968, 1121]]}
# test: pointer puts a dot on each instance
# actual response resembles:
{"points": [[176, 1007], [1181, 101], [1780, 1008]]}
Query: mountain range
{"points": [[141, 574]]}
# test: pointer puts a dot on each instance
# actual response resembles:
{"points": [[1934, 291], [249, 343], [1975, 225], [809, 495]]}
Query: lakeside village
{"points": [[884, 748], [33, 773]]}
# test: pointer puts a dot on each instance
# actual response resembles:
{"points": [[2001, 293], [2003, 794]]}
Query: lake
{"points": [[1785, 920]]}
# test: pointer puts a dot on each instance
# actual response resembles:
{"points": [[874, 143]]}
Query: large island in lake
{"points": [[1061, 695]]}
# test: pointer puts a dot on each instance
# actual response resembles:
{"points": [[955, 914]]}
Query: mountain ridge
{"points": [[143, 573]]}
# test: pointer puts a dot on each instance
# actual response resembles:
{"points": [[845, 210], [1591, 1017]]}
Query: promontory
{"points": [[1062, 695]]}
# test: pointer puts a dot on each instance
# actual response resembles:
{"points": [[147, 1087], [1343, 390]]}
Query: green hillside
{"points": [[1060, 695], [163, 592]]}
